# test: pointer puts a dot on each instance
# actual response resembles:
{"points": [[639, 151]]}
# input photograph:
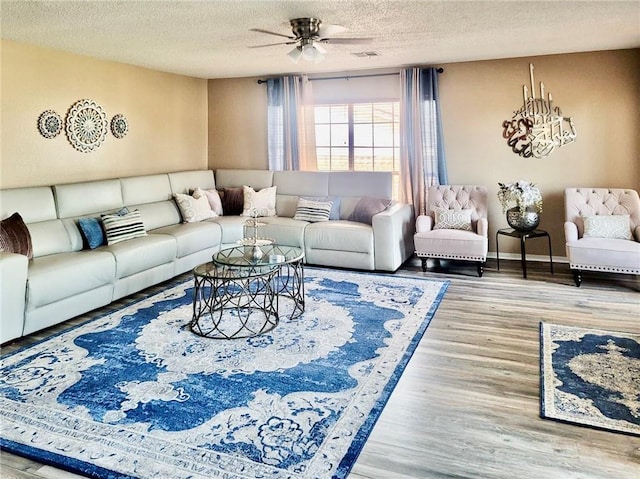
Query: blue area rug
{"points": [[590, 377], [135, 393]]}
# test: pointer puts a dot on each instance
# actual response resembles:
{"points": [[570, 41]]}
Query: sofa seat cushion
{"points": [[193, 237], [59, 276], [605, 253], [440, 244], [232, 227], [339, 235], [286, 231], [143, 253]]}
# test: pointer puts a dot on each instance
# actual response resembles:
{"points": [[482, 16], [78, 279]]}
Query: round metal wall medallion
{"points": [[119, 126], [49, 124], [86, 125]]}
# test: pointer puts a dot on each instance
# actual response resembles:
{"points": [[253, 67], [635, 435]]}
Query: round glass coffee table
{"points": [[289, 261], [237, 294]]}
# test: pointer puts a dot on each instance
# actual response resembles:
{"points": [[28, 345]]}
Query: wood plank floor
{"points": [[467, 405]]}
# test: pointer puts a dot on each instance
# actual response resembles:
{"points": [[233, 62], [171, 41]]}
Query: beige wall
{"points": [[237, 124], [178, 123], [599, 90], [167, 117]]}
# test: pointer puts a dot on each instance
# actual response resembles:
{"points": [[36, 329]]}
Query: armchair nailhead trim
{"points": [[606, 269], [450, 256]]}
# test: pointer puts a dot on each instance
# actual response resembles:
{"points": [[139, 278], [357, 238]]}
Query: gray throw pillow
{"points": [[367, 207]]}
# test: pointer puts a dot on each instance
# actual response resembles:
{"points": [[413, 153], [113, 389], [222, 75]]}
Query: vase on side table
{"points": [[525, 221]]}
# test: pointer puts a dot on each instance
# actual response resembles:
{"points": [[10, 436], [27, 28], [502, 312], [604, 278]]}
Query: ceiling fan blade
{"points": [[271, 44], [259, 30], [345, 41], [327, 30]]}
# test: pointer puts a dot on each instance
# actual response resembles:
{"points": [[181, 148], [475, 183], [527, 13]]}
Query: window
{"points": [[359, 137]]}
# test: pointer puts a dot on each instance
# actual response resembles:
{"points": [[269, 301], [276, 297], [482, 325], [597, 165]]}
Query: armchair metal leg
{"points": [[424, 265], [577, 277], [480, 268]]}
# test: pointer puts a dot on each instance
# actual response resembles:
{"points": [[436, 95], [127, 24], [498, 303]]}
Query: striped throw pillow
{"points": [[313, 211], [123, 227]]}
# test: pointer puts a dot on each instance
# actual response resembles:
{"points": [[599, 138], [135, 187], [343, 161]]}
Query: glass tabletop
{"points": [[258, 256]]}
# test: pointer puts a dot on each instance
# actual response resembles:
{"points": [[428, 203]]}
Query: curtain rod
{"points": [[349, 77]]}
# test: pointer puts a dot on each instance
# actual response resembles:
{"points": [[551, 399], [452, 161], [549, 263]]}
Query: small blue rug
{"points": [[590, 377], [135, 393]]}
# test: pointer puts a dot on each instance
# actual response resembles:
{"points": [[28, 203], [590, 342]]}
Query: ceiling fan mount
{"points": [[306, 28]]}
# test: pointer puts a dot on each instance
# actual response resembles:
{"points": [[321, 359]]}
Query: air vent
{"points": [[366, 54]]}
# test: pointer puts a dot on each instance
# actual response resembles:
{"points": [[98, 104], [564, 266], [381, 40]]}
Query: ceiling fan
{"points": [[308, 36]]}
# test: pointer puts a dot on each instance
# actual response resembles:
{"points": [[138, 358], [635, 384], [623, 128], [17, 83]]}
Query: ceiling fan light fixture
{"points": [[295, 54], [311, 53]]}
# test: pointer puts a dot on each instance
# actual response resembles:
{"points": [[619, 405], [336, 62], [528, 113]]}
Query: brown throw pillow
{"points": [[233, 201], [15, 237]]}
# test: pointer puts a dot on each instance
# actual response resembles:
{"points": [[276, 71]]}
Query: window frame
{"points": [[351, 147]]}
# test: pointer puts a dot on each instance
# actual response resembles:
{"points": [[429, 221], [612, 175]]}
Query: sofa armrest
{"points": [[424, 223], [570, 231], [393, 236], [13, 288], [483, 227], [636, 233]]}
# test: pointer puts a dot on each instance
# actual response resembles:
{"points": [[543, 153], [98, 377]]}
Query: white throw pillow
{"points": [[259, 203], [313, 210], [453, 219], [607, 226], [213, 197], [194, 209]]}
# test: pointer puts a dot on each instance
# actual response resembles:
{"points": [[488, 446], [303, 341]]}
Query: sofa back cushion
{"points": [[581, 202], [37, 208], [54, 236], [350, 186], [293, 184], [33, 204], [184, 182], [88, 198], [153, 197], [138, 190], [257, 179]]}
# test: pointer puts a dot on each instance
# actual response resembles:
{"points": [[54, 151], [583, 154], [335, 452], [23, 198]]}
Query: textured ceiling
{"points": [[211, 39]]}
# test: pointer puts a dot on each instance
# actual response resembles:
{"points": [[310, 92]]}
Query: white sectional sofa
{"points": [[64, 279]]}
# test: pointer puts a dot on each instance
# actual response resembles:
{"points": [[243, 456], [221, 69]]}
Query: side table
{"points": [[523, 236]]}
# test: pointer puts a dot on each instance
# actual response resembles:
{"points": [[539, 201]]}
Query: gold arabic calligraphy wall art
{"points": [[538, 127]]}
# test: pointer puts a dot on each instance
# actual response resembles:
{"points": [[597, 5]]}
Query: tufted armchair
{"points": [[598, 236], [454, 225]]}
